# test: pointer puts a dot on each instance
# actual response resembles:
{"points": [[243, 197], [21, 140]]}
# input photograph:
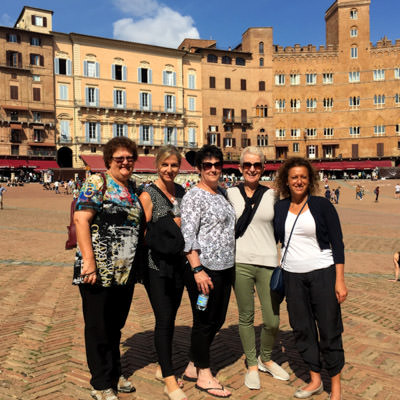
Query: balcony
{"points": [[64, 140], [130, 107], [236, 120], [176, 143], [42, 153]]}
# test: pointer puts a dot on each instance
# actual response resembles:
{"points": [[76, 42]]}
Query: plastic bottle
{"points": [[175, 208], [202, 301]]}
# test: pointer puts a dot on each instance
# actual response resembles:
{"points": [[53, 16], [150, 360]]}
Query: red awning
{"points": [[231, 166], [345, 165], [10, 107], [42, 144], [16, 126], [41, 165], [95, 163], [143, 164], [272, 167]]}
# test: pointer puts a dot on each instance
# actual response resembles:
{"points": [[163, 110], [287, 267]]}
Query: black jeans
{"points": [[207, 323], [165, 295], [105, 310], [311, 302]]}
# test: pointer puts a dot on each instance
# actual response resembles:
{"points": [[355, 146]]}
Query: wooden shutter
{"points": [[45, 22], [33, 20], [243, 84], [227, 83], [261, 86], [218, 139], [14, 92], [19, 60], [18, 38], [208, 138], [212, 82], [316, 151], [244, 115], [36, 94], [41, 61], [354, 151], [379, 150], [233, 142]]}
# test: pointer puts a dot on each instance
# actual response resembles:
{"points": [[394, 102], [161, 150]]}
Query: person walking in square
{"points": [[2, 191]]}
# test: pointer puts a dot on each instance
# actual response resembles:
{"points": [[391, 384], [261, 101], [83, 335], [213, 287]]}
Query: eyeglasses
{"points": [[208, 165], [120, 160], [256, 165]]}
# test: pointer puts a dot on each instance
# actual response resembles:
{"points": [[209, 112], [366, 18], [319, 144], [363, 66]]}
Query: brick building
{"points": [[337, 105], [27, 113], [339, 102]]}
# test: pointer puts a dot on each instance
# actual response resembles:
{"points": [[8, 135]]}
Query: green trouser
{"points": [[247, 277]]}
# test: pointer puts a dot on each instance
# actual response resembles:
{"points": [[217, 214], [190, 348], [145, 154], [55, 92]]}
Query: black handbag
{"points": [[277, 283]]}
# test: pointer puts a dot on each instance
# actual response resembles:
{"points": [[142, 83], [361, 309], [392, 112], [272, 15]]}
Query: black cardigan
{"points": [[328, 230]]}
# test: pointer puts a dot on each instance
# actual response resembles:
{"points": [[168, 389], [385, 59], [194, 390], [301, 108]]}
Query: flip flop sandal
{"points": [[207, 390], [188, 378]]}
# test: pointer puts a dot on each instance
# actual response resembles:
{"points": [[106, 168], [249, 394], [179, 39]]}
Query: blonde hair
{"points": [[167, 151], [252, 150]]}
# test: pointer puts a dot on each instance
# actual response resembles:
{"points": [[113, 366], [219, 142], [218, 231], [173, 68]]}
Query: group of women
{"points": [[208, 240]]}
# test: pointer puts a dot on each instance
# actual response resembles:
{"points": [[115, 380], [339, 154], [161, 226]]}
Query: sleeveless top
{"points": [[161, 207]]}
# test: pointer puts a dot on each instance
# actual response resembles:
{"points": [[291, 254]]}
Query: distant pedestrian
{"points": [[337, 194], [2, 190], [56, 187], [397, 191], [396, 266], [328, 193], [376, 191]]}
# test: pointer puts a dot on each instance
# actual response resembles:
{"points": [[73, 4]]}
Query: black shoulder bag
{"points": [[277, 283]]}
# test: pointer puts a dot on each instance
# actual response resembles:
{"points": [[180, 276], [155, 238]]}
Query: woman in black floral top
{"points": [[208, 221], [108, 221]]}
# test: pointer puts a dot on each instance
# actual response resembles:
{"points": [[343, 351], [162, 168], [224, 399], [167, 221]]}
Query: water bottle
{"points": [[202, 301], [175, 208]]}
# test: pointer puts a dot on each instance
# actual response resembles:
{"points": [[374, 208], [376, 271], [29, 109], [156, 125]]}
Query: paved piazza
{"points": [[41, 330]]}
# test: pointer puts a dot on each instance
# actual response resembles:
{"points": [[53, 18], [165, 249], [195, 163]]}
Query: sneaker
{"points": [[275, 370], [125, 386], [252, 380], [107, 394]]}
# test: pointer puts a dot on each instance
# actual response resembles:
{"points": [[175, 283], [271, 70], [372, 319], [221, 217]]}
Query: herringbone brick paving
{"points": [[42, 354]]}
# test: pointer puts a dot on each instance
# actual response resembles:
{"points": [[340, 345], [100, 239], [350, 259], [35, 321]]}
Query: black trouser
{"points": [[311, 302], [105, 311], [165, 295], [207, 323]]}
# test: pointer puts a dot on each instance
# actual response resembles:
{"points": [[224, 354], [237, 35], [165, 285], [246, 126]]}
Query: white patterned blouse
{"points": [[208, 226]]}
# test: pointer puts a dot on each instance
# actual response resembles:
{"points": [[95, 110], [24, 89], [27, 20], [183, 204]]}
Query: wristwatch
{"points": [[197, 269]]}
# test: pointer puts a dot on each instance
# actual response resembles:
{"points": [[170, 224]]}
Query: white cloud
{"points": [[5, 20], [157, 24]]}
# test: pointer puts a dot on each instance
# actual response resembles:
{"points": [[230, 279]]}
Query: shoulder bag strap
{"points": [[287, 244]]}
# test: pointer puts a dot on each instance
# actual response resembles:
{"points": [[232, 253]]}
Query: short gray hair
{"points": [[252, 150]]}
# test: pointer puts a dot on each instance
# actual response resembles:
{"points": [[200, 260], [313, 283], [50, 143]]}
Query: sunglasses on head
{"points": [[208, 165], [120, 160], [256, 165]]}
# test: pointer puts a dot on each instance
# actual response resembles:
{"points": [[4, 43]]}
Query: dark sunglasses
{"points": [[208, 165], [256, 165], [120, 160]]}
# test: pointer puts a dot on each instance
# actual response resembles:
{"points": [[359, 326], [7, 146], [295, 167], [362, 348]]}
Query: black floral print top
{"points": [[208, 226], [115, 229]]}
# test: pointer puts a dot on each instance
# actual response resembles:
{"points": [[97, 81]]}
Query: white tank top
{"points": [[304, 253]]}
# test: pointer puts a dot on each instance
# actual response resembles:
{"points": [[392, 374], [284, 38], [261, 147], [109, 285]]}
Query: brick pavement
{"points": [[41, 337]]}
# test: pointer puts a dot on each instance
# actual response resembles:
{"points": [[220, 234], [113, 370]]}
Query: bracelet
{"points": [[197, 269]]}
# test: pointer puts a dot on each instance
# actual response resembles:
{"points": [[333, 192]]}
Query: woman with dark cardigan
{"points": [[164, 281], [313, 272]]}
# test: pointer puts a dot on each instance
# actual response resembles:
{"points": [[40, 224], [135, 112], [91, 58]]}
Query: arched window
{"points": [[212, 58], [226, 60], [261, 62], [261, 47], [353, 14], [240, 61]]}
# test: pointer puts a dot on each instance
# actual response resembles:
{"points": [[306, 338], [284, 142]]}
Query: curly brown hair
{"points": [[117, 143], [283, 174]]}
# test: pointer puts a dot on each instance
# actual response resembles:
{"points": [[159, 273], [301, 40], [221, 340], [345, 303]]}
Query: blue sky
{"points": [[167, 22]]}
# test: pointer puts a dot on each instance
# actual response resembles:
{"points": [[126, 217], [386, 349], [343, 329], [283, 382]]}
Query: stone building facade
{"points": [[27, 113], [339, 102]]}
